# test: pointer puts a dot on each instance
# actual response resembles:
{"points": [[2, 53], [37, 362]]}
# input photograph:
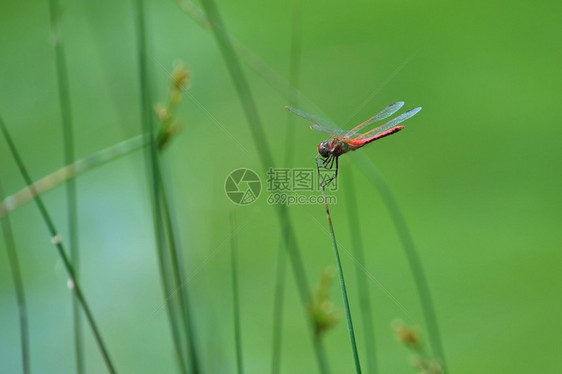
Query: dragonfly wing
{"points": [[310, 117], [318, 123], [390, 124], [334, 133], [385, 113]]}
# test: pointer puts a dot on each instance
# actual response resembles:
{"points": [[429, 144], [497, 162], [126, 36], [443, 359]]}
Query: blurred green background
{"points": [[478, 175]]}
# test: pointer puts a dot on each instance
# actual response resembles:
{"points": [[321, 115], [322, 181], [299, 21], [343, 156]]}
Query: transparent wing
{"points": [[334, 133], [390, 124], [318, 123], [385, 113]]}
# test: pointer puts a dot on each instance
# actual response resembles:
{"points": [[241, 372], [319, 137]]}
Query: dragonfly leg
{"points": [[336, 160], [331, 160]]}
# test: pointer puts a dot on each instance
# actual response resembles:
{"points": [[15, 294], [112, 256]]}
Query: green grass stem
{"points": [[69, 157], [235, 295], [420, 280], [153, 171], [362, 284], [278, 306], [177, 267], [279, 299], [259, 138], [19, 288], [60, 249], [70, 171], [341, 277], [251, 60]]}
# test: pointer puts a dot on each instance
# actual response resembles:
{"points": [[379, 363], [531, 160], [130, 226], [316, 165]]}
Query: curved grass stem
{"points": [[409, 247], [256, 128], [74, 285], [18, 285]]}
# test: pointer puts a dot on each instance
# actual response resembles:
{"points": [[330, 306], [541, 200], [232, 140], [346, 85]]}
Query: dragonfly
{"points": [[343, 141]]}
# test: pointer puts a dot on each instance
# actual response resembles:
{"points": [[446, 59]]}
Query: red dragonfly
{"points": [[344, 141]]}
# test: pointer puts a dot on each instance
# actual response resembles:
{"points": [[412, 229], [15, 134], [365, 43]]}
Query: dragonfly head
{"points": [[324, 149]]}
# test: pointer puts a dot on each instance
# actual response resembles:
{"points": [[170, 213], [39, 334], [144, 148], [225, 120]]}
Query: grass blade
{"points": [[65, 173], [341, 277], [235, 297], [278, 303], [258, 136], [60, 249], [18, 285], [362, 284], [177, 261], [256, 64], [409, 247], [71, 197], [168, 262]]}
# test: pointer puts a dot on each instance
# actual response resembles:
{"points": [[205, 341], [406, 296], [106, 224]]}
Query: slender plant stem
{"points": [[294, 74], [405, 236], [362, 284], [258, 136], [278, 303], [346, 307], [177, 261], [71, 196], [18, 284], [152, 164], [65, 173], [250, 59], [74, 285], [235, 296]]}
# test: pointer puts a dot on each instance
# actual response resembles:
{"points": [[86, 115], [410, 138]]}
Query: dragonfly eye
{"points": [[324, 149]]}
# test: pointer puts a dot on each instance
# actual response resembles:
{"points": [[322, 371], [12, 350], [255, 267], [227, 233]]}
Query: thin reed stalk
{"points": [[18, 285], [256, 128], [278, 303], [177, 267], [235, 296], [73, 283], [153, 171], [420, 280], [248, 57], [362, 284], [70, 171], [341, 277], [69, 156], [294, 75]]}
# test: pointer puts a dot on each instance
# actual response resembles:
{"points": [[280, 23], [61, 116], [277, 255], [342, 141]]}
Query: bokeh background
{"points": [[477, 174]]}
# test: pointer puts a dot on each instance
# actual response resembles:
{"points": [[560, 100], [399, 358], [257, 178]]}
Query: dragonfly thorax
{"points": [[333, 148]]}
